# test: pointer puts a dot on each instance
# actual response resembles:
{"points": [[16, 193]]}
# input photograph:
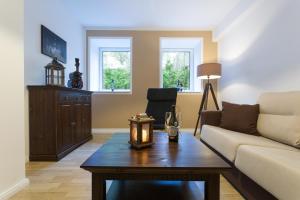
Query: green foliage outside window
{"points": [[116, 70], [171, 76], [120, 76], [176, 69]]}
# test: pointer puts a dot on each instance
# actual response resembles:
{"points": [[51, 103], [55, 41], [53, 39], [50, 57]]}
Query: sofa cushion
{"points": [[241, 118], [276, 170], [226, 142], [279, 117]]}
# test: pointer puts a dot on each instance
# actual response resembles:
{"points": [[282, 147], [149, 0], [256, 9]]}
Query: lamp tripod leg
{"points": [[204, 99], [208, 87], [214, 96], [195, 132]]}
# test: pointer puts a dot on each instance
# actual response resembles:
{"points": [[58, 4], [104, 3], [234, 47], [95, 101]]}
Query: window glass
{"points": [[179, 58], [176, 69], [116, 70], [109, 64]]}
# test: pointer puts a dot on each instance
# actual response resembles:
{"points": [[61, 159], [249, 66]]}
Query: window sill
{"points": [[190, 93], [113, 93]]}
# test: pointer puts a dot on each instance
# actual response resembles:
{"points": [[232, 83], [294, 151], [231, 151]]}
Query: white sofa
{"points": [[271, 160]]}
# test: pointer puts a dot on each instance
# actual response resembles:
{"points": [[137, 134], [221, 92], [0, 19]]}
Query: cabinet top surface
{"points": [[53, 87]]}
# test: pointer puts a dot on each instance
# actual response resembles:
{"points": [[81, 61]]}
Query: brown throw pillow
{"points": [[240, 118]]}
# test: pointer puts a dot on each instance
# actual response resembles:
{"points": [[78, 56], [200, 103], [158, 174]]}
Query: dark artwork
{"points": [[75, 77], [53, 45]]}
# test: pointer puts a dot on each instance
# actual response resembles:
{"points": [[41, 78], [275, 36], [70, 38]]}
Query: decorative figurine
{"points": [[75, 77], [112, 85], [179, 86]]}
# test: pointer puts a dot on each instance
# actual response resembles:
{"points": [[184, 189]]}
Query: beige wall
{"points": [[113, 110]]}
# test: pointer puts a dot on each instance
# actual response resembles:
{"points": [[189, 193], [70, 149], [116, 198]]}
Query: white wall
{"points": [[54, 15], [261, 51], [12, 167]]}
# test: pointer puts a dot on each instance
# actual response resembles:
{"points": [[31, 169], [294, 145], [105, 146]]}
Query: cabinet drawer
{"points": [[66, 97], [85, 99]]}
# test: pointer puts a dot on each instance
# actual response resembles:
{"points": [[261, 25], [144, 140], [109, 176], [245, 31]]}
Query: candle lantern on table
{"points": [[141, 131]]}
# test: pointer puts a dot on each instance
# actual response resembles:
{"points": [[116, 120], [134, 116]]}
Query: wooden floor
{"points": [[64, 180]]}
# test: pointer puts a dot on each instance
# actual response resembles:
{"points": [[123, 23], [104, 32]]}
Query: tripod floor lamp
{"points": [[207, 71]]}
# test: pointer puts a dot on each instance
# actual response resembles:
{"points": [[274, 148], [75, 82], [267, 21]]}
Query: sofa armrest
{"points": [[212, 118]]}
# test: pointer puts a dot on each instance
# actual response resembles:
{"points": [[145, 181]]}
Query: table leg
{"points": [[212, 187], [98, 187]]}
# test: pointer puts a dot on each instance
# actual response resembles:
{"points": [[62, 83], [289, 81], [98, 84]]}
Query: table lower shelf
{"points": [[155, 190]]}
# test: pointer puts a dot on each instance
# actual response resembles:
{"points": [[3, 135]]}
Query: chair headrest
{"points": [[162, 94]]}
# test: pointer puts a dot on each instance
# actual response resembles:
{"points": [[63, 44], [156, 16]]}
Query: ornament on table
{"points": [[172, 124]]}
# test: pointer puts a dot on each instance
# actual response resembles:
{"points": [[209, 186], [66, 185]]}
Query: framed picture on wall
{"points": [[53, 45]]}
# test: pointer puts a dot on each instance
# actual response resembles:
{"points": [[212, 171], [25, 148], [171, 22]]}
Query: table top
{"points": [[189, 153]]}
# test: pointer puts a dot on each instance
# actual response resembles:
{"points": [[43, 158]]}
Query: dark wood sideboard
{"points": [[59, 121]]}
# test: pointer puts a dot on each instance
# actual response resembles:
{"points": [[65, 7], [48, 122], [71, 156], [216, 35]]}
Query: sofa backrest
{"points": [[279, 117]]}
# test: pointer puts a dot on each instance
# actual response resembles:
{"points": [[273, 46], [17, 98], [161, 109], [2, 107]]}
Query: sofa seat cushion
{"points": [[226, 142], [276, 170]]}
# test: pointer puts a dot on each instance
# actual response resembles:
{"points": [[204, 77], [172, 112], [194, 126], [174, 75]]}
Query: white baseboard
{"points": [[26, 159], [189, 130], [14, 189], [109, 130], [96, 131]]}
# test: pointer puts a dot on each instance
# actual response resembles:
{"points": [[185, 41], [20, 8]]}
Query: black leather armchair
{"points": [[160, 101]]}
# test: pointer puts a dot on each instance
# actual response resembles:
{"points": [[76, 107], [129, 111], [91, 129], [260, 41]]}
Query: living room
{"points": [[252, 45]]}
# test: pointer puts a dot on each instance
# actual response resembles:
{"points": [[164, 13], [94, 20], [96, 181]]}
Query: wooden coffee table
{"points": [[187, 160]]}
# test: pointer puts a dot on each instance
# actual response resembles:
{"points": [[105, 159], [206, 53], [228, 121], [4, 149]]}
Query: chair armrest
{"points": [[212, 118]]}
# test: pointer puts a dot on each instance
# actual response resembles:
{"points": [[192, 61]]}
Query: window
{"points": [[115, 69], [179, 60], [176, 65], [110, 64]]}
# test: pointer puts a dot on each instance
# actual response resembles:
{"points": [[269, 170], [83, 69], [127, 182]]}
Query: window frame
{"points": [[191, 62], [101, 68]]}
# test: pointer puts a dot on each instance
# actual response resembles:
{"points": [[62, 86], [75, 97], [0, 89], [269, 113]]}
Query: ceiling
{"points": [[151, 14]]}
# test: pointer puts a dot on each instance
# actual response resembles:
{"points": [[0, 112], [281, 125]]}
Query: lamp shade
{"points": [[209, 71]]}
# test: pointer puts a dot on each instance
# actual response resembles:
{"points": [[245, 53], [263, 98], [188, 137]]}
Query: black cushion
{"points": [[160, 101], [162, 94]]}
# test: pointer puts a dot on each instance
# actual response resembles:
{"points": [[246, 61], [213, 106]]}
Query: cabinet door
{"points": [[79, 115], [87, 120], [83, 121], [66, 127]]}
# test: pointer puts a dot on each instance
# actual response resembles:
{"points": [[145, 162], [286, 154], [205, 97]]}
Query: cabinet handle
{"points": [[73, 123]]}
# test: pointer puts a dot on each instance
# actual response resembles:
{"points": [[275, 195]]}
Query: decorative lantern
{"points": [[141, 132], [55, 73]]}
